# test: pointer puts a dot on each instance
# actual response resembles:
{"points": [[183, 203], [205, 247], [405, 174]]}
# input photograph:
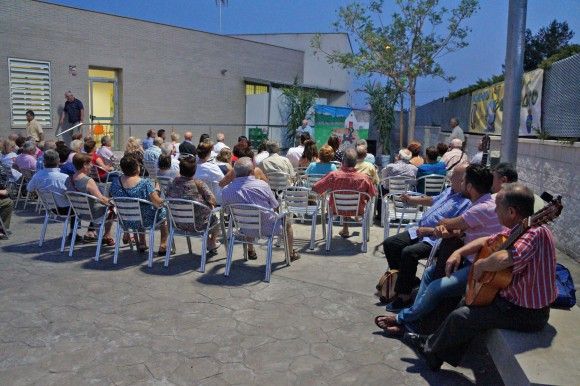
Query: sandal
{"points": [[127, 238], [142, 248], [344, 235], [89, 239], [109, 241], [213, 251], [252, 255], [389, 324], [294, 255]]}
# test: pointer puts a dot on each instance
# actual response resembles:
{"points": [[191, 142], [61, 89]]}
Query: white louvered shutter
{"points": [[29, 90]]}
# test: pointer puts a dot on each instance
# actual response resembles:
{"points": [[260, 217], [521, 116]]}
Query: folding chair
{"points": [[83, 205], [345, 204], [182, 214], [301, 201], [48, 201], [245, 227], [130, 219]]}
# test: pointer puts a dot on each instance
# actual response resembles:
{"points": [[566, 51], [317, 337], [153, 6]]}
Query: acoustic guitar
{"points": [[482, 292]]}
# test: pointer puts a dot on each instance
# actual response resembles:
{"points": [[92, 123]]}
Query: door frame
{"points": [[114, 119]]}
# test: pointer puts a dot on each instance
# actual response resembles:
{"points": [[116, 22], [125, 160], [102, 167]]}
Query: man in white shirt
{"points": [[295, 153], [456, 130], [208, 171], [219, 145]]}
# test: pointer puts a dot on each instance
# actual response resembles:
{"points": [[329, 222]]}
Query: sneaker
{"points": [[398, 304]]}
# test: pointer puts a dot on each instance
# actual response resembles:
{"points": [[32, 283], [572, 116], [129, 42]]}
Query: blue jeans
{"points": [[432, 291]]}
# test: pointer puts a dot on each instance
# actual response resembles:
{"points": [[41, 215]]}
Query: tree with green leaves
{"points": [[408, 48], [382, 99], [298, 100], [545, 43]]}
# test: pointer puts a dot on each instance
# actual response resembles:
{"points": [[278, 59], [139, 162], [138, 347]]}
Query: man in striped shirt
{"points": [[523, 305]]}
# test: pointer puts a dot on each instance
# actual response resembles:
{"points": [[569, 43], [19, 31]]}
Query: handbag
{"points": [[566, 292], [386, 286]]}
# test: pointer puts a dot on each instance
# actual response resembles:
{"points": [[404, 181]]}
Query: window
{"points": [[29, 90], [253, 88]]}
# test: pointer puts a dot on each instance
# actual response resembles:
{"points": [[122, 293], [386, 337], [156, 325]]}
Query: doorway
{"points": [[104, 105]]}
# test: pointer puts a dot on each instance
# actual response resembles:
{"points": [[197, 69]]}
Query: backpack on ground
{"points": [[566, 292], [386, 286]]}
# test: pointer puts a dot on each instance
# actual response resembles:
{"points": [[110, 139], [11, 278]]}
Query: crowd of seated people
{"points": [[478, 206]]}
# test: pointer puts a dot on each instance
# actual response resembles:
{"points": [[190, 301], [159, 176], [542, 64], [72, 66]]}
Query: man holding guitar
{"points": [[524, 303]]}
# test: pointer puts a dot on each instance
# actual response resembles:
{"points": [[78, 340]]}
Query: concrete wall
{"points": [[317, 71], [168, 74], [543, 166]]}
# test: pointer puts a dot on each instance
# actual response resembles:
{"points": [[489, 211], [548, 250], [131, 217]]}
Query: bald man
{"points": [[187, 146], [454, 156], [456, 130]]}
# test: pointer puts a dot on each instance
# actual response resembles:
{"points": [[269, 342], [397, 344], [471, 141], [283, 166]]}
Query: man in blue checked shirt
{"points": [[404, 250]]}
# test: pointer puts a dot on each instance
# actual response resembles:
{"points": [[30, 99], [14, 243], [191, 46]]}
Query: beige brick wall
{"points": [[168, 74]]}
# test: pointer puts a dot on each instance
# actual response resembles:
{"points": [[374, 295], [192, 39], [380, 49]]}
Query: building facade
{"points": [[131, 75]]}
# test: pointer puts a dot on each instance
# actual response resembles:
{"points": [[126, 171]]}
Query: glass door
{"points": [[103, 104]]}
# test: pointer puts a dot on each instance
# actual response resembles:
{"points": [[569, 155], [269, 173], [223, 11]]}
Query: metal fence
{"points": [[560, 101]]}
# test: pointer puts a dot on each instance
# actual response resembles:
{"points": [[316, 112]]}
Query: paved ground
{"points": [[75, 321]]}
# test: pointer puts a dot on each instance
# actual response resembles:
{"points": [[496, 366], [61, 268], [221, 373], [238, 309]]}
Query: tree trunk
{"points": [[401, 121], [412, 109]]}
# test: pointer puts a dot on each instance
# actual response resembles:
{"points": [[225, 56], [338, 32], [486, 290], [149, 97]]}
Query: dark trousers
{"points": [[450, 342], [404, 254]]}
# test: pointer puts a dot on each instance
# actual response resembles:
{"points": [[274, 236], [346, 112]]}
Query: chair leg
{"points": [[313, 230], [269, 260], [329, 233], [169, 244], [118, 233], [365, 231], [64, 229], [203, 251], [43, 230], [245, 251], [287, 247], [229, 256], [73, 238], [100, 239], [151, 247], [189, 245]]}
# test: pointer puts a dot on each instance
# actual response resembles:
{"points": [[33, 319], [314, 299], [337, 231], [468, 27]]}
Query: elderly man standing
{"points": [[246, 189], [347, 178], [73, 108], [275, 162], [454, 156], [456, 130], [187, 146]]}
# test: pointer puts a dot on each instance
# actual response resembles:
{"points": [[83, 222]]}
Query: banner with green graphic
{"points": [[350, 125]]}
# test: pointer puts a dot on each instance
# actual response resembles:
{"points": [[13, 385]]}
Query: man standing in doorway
{"points": [[456, 130], [73, 108]]}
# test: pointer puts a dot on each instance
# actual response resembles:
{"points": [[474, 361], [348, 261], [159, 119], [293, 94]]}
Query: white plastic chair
{"points": [[182, 214], [245, 227], [129, 211], [81, 204], [48, 201], [345, 204], [433, 184], [302, 202]]}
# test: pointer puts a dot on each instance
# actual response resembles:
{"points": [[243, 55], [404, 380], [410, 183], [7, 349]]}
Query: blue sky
{"points": [[482, 58]]}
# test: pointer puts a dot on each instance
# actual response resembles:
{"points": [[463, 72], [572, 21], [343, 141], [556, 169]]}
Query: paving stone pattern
{"points": [[71, 321]]}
